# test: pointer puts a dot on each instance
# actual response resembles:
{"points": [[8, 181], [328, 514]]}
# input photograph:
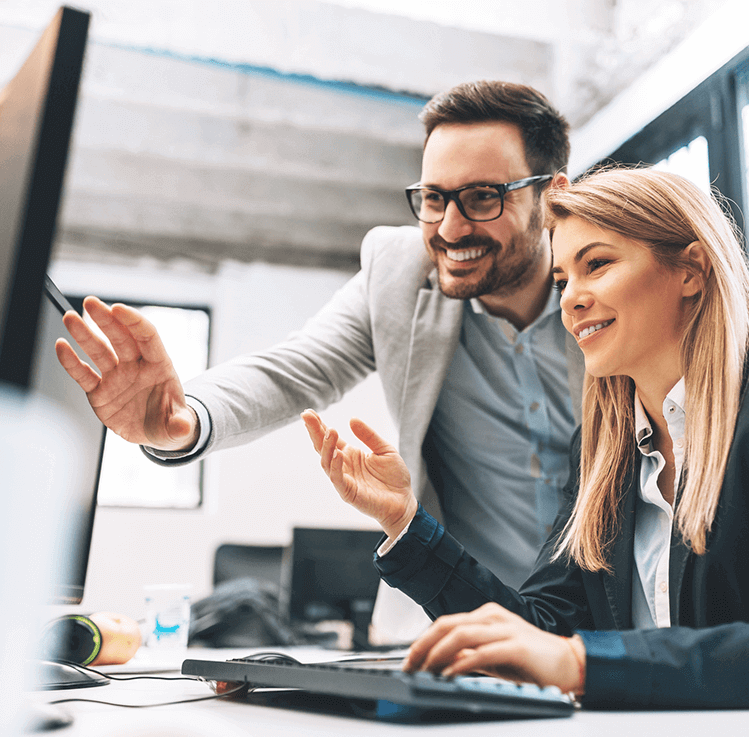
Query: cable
{"points": [[242, 686], [83, 669], [87, 669]]}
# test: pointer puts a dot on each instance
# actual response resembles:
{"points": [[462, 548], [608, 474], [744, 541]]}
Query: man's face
{"points": [[498, 257]]}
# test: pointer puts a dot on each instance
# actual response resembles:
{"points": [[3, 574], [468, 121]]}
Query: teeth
{"points": [[466, 254], [585, 332]]}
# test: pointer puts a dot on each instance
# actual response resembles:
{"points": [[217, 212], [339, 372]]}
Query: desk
{"points": [[223, 718]]}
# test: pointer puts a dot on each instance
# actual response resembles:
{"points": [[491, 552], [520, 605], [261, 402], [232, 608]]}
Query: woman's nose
{"points": [[574, 298]]}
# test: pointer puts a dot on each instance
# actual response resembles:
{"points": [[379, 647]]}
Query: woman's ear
{"points": [[697, 269]]}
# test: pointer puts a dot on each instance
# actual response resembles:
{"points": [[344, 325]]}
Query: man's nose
{"points": [[454, 226]]}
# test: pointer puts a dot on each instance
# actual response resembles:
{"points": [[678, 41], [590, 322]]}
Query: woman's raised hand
{"points": [[497, 642], [137, 393], [377, 484]]}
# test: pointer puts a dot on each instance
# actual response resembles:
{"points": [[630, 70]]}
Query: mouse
{"points": [[269, 657], [273, 658]]}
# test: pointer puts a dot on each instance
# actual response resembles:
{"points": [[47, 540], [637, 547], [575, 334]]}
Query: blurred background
{"points": [[229, 155]]}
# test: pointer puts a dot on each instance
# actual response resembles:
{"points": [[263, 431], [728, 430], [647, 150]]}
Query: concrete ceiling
{"points": [[283, 130]]}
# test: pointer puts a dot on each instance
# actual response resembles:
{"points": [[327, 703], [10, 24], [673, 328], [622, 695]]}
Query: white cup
{"points": [[167, 615]]}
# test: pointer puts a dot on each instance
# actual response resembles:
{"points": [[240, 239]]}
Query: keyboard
{"points": [[471, 695]]}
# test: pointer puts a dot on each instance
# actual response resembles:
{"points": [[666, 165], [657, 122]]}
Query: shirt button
{"points": [[671, 409], [535, 466], [534, 406], [680, 443], [664, 587], [519, 348]]}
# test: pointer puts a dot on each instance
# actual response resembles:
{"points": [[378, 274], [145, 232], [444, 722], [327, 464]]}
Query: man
{"points": [[481, 378]]}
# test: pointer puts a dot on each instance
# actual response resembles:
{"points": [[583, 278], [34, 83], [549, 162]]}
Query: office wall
{"points": [[252, 494]]}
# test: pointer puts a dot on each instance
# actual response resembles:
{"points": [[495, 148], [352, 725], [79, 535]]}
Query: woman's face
{"points": [[624, 309]]}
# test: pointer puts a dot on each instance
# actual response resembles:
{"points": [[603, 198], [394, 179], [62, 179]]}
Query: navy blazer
{"points": [[702, 660]]}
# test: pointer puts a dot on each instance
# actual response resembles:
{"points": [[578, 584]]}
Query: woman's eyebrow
{"points": [[579, 255]]}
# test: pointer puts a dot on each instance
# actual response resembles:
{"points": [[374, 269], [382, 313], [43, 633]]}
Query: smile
{"points": [[466, 254], [585, 332]]}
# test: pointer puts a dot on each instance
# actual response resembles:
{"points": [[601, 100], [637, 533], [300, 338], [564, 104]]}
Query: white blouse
{"points": [[654, 516]]}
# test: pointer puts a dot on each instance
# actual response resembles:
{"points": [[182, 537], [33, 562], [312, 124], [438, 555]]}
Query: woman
{"points": [[641, 594]]}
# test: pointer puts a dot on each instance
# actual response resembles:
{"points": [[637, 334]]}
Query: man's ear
{"points": [[560, 180], [697, 269]]}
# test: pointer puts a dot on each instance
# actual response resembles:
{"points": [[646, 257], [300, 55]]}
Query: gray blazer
{"points": [[390, 317]]}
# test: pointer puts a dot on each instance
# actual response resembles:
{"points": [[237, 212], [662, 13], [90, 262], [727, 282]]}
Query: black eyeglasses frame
{"points": [[454, 195]]}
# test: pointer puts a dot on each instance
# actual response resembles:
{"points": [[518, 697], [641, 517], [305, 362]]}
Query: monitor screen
{"points": [[332, 576], [36, 119], [50, 379]]}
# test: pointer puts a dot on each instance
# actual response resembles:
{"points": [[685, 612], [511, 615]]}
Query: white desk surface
{"points": [[223, 718]]}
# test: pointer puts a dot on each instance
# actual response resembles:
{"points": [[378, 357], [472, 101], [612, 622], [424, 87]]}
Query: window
{"points": [[128, 479], [691, 161], [703, 136]]}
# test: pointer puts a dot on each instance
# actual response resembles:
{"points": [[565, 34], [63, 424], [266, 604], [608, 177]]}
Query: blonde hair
{"points": [[666, 213]]}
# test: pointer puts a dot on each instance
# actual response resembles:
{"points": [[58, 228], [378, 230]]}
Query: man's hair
{"points": [[544, 130]]}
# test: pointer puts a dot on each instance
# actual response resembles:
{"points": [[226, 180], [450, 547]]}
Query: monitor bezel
{"points": [[37, 110]]}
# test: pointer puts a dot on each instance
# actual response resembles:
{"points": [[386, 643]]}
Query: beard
{"points": [[513, 265]]}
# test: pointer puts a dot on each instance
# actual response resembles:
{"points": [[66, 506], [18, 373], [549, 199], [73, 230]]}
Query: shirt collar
{"points": [[643, 429], [552, 306]]}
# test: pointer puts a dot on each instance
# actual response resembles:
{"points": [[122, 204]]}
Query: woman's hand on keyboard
{"points": [[377, 484], [494, 641]]}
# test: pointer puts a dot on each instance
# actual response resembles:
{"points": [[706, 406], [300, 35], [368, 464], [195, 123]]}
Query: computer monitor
{"points": [[331, 576], [36, 118], [37, 109], [82, 436], [49, 379], [75, 496]]}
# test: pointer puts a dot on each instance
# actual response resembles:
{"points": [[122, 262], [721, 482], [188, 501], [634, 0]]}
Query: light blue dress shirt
{"points": [[501, 430]]}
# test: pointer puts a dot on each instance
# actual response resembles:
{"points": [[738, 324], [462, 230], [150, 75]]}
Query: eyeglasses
{"points": [[479, 203]]}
